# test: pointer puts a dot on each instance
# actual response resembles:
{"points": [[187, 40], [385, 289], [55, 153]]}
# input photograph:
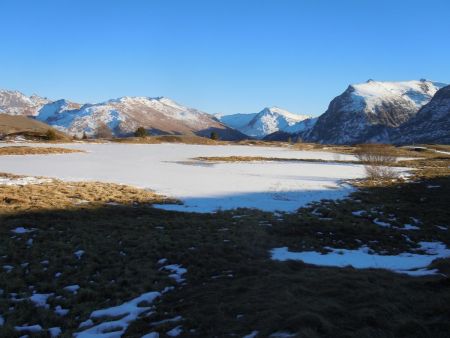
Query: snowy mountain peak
{"points": [[365, 111], [417, 92], [267, 121], [282, 112], [14, 102]]}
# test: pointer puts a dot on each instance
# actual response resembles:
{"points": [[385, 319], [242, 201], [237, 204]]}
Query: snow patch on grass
{"points": [[177, 272], [23, 180], [40, 299], [129, 311], [29, 328], [22, 230], [72, 288], [381, 223], [176, 331], [79, 254], [413, 264]]}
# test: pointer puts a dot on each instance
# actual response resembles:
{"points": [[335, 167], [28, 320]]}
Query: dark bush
{"points": [[141, 132]]}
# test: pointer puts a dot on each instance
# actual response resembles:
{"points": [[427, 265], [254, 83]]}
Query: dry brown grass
{"points": [[187, 139], [262, 158], [25, 150], [66, 195], [14, 125]]}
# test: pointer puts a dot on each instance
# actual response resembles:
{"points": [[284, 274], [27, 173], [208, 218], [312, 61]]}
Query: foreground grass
{"points": [[232, 287], [61, 195], [26, 150]]}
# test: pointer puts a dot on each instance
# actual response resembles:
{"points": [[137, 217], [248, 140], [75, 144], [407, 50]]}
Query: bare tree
{"points": [[378, 160], [103, 131]]}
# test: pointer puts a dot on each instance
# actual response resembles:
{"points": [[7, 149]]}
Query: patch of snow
{"points": [[40, 299], [359, 213], [22, 230], [410, 227], [178, 272], [381, 223], [252, 334], [2, 320], [129, 311], [60, 311], [164, 321], [86, 323], [162, 261], [79, 254], [72, 288], [176, 331], [8, 268], [151, 335], [23, 180], [29, 328], [55, 331], [409, 263], [442, 152]]}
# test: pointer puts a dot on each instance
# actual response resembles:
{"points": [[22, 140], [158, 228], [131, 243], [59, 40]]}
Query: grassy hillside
{"points": [[11, 126]]}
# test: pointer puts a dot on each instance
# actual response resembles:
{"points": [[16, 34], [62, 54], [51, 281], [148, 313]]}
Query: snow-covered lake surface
{"points": [[203, 187]]}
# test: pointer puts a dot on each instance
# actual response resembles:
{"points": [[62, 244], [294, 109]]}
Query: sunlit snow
{"points": [[202, 187]]}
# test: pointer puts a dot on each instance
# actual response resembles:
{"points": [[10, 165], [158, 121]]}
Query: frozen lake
{"points": [[203, 187]]}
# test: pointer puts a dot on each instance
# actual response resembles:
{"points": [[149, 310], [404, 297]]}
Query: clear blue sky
{"points": [[220, 56]]}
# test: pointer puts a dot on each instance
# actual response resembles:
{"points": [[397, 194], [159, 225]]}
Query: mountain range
{"points": [[415, 111], [121, 116]]}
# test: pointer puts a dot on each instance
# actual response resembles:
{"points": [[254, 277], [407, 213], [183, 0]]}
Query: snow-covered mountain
{"points": [[13, 102], [123, 116], [366, 112], [430, 125], [295, 133], [267, 121]]}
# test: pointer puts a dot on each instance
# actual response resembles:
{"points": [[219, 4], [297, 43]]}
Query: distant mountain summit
{"points": [[267, 121], [159, 115], [366, 112], [13, 102]]}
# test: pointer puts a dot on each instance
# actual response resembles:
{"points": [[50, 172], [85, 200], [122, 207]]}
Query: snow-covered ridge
{"points": [[417, 92], [122, 116], [14, 102]]}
